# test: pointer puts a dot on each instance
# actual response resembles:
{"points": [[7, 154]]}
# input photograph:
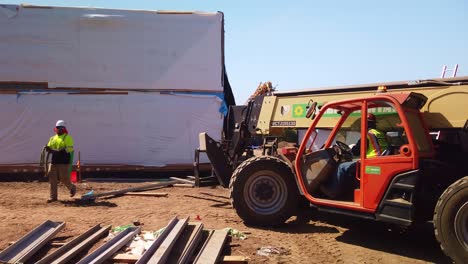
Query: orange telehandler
{"points": [[421, 176]]}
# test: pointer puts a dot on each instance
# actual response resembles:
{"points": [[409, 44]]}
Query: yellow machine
{"points": [[268, 116], [445, 108], [263, 188]]}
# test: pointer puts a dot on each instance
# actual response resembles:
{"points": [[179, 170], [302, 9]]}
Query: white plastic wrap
{"points": [[148, 129], [117, 49]]}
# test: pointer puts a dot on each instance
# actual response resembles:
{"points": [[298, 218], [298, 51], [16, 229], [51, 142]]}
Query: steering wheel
{"points": [[344, 153], [343, 146]]}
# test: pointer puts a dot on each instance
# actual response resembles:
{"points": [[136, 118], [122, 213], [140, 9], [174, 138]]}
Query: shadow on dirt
{"points": [[218, 203], [47, 249], [214, 195], [84, 203], [417, 243], [297, 226]]}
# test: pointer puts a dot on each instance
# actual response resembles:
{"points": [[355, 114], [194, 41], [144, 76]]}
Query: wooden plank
{"points": [[211, 250], [124, 258], [155, 194], [184, 185], [234, 260], [57, 244]]}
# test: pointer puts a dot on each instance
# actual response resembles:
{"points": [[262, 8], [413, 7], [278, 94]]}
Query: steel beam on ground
{"points": [[23, 249], [133, 189], [182, 180], [72, 248], [154, 194], [122, 180], [162, 253], [211, 250], [155, 245], [186, 244], [108, 249]]}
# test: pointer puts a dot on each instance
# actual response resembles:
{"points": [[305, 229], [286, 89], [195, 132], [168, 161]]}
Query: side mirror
{"points": [[311, 108]]}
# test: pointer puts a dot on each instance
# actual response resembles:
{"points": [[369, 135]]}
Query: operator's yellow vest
{"points": [[377, 143]]}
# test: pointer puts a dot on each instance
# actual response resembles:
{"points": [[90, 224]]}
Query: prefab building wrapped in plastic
{"points": [[134, 87]]}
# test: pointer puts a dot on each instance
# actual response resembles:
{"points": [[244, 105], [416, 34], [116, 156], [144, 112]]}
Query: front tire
{"points": [[263, 191], [451, 221]]}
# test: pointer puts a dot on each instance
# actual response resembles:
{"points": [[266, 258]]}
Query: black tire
{"points": [[451, 221], [263, 191]]}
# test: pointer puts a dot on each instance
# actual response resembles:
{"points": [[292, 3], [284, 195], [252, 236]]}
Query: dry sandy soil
{"points": [[314, 237]]}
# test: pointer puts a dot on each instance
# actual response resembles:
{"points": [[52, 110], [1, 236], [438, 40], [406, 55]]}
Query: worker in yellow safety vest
{"points": [[342, 186], [376, 140], [61, 147]]}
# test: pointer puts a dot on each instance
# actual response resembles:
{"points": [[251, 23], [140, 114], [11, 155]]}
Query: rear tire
{"points": [[451, 221], [263, 191]]}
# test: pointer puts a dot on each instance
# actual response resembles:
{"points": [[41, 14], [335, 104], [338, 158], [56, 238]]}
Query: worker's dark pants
{"points": [[59, 173], [342, 186]]}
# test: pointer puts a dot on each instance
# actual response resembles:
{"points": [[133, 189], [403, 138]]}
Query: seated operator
{"points": [[342, 186]]}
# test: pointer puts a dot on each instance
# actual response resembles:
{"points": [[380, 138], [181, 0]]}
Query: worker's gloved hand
{"points": [[51, 150]]}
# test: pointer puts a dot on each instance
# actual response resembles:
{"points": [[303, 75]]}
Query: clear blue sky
{"points": [[308, 44]]}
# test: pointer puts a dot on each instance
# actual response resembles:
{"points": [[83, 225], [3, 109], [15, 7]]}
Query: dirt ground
{"points": [[313, 237]]}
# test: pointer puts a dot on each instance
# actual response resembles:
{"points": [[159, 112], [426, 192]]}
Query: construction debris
{"points": [[268, 250], [179, 242], [235, 233], [23, 249]]}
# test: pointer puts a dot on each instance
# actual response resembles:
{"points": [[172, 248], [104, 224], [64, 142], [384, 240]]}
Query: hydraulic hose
{"points": [[44, 160]]}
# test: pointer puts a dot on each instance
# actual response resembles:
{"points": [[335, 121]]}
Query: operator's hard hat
{"points": [[371, 117], [60, 123]]}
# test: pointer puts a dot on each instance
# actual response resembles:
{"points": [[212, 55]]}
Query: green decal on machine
{"points": [[299, 110], [378, 111], [372, 170]]}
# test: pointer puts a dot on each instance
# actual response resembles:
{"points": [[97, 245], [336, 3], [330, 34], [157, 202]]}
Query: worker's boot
{"points": [[51, 200], [73, 191]]}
